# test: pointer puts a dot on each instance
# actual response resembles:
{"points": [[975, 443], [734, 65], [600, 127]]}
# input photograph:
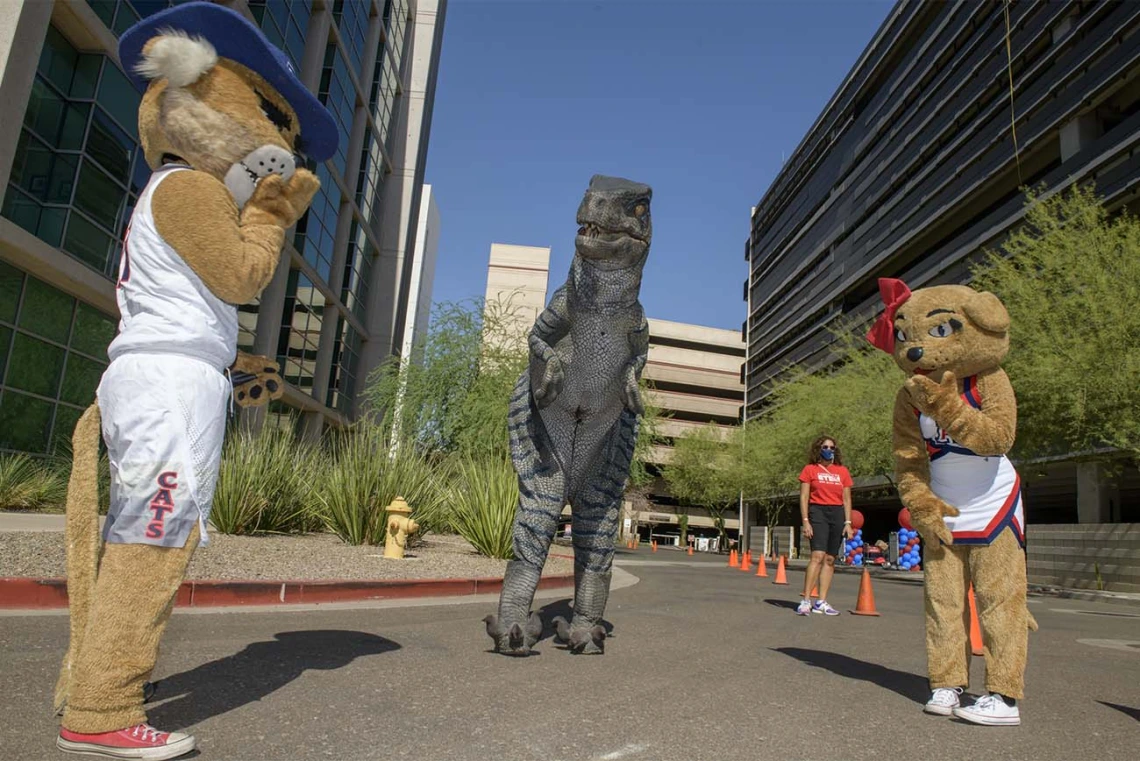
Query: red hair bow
{"points": [[894, 294]]}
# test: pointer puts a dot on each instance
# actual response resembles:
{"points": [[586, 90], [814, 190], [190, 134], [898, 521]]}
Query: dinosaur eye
{"points": [[900, 336], [943, 330], [639, 210]]}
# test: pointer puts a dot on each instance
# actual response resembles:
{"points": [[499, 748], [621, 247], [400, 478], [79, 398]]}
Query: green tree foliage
{"points": [[452, 394], [1070, 278]]}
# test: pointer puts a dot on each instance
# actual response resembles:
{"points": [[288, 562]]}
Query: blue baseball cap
{"points": [[235, 38]]}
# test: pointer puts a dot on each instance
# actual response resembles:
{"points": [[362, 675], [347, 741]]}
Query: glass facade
{"points": [[53, 349], [77, 172]]}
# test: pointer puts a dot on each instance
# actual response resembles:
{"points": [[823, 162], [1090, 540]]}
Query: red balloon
{"points": [[858, 550], [856, 520], [904, 519]]}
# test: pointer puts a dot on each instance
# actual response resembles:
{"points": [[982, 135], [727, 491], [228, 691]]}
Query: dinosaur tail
{"points": [[82, 537]]}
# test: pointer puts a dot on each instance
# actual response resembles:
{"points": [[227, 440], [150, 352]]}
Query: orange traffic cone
{"points": [[975, 630], [865, 605], [732, 561], [746, 563], [781, 574], [654, 545], [762, 568], [815, 591], [690, 549]]}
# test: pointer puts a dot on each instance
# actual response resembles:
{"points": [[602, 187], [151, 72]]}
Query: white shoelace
{"points": [[987, 702], [148, 733], [945, 696]]}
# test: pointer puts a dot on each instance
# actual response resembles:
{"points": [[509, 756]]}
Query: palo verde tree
{"points": [[1070, 278]]}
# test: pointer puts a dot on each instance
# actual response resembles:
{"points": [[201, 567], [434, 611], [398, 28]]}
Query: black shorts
{"points": [[827, 528]]}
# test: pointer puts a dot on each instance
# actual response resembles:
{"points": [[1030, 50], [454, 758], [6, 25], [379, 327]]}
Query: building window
{"points": [[342, 372], [78, 168], [285, 23], [351, 19], [53, 350], [300, 332]]}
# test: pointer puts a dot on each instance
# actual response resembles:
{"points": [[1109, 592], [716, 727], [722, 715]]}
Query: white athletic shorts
{"points": [[164, 419]]}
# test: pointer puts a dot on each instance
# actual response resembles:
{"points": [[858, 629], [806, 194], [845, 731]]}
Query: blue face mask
{"points": [[827, 454]]}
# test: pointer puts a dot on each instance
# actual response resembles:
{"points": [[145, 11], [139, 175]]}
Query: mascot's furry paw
{"points": [[515, 639], [937, 397], [256, 380], [280, 202], [928, 519]]}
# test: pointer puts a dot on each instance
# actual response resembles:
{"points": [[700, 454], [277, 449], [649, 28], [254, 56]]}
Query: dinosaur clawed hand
{"points": [[581, 641], [514, 639]]}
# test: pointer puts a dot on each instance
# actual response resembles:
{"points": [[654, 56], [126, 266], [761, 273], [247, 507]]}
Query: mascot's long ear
{"points": [[987, 312], [177, 57]]}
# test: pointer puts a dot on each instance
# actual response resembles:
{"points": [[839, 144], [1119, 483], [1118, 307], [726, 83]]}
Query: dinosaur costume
{"points": [[220, 119], [954, 421], [573, 417]]}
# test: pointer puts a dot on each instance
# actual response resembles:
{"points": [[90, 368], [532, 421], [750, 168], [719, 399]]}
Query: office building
{"points": [[423, 274], [70, 170], [913, 169], [517, 278]]}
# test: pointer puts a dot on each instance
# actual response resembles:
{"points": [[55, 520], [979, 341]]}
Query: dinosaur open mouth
{"points": [[592, 231]]}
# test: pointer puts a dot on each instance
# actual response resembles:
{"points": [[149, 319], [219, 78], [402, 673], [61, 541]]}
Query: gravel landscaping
{"points": [[292, 558]]}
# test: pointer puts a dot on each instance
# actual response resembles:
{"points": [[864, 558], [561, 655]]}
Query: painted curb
{"points": [[19, 593]]}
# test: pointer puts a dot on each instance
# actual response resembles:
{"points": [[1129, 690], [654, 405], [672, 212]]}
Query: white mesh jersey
{"points": [[165, 307], [985, 489]]}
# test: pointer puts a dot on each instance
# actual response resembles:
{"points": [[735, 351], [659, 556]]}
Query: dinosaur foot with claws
{"points": [[581, 640], [514, 639]]}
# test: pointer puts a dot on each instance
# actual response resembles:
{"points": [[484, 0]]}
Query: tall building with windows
{"points": [[71, 169], [517, 278], [915, 165]]}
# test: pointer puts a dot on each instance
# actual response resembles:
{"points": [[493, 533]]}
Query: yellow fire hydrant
{"points": [[400, 526]]}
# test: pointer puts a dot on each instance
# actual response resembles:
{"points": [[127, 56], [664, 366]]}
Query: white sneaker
{"points": [[991, 711], [804, 608], [824, 607], [943, 701]]}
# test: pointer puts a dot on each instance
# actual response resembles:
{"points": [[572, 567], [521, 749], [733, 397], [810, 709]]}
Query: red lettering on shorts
{"points": [[161, 504]]}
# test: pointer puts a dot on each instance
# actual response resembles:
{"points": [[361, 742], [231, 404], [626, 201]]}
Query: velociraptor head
{"points": [[614, 222]]}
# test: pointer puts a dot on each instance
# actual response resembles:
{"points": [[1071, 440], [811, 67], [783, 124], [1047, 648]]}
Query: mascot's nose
{"points": [[914, 354]]}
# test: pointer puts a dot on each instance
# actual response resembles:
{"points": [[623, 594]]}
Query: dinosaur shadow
{"points": [[220, 686], [782, 603], [910, 686], [1126, 710]]}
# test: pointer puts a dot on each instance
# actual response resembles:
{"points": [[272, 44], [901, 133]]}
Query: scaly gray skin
{"points": [[573, 417]]}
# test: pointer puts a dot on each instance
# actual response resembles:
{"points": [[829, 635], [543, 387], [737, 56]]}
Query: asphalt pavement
{"points": [[704, 662]]}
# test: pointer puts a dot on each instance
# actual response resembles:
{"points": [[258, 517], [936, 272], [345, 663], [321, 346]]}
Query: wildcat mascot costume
{"points": [[221, 120], [954, 421]]}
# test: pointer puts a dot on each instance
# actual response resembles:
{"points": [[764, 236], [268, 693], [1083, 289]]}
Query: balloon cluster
{"points": [[910, 550], [853, 549]]}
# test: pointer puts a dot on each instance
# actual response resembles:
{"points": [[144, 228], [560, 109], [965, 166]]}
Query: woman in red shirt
{"points": [[825, 505]]}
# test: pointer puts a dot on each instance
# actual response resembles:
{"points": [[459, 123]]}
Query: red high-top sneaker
{"points": [[140, 741]]}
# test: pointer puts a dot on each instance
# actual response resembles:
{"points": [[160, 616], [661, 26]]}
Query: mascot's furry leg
{"points": [[114, 646], [998, 571], [947, 615]]}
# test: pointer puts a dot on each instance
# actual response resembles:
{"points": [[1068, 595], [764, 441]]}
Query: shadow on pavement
{"points": [[220, 686], [564, 609], [1132, 712], [910, 686], [782, 603]]}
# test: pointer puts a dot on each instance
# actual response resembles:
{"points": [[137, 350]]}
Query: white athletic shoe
{"points": [[822, 606], [804, 608], [991, 711], [943, 701]]}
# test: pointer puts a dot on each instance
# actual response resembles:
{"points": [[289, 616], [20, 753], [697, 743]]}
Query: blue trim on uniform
{"points": [[235, 38], [1004, 523], [970, 392], [945, 450]]}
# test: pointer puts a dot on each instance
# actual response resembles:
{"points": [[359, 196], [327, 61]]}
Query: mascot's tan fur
{"points": [[943, 336], [206, 112]]}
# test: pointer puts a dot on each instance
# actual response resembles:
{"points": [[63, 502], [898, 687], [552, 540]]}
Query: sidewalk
{"points": [[33, 592]]}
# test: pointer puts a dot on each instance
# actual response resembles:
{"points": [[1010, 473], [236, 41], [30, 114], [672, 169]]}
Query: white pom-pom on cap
{"points": [[177, 57]]}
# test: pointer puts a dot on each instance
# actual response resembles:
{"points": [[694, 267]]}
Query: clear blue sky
{"points": [[700, 99]]}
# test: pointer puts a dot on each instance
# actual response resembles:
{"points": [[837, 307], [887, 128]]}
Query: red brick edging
{"points": [[43, 594]]}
